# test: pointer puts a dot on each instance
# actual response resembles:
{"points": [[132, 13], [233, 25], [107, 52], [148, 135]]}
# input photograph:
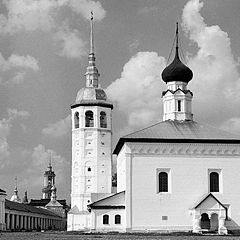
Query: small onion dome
{"points": [[177, 71]]}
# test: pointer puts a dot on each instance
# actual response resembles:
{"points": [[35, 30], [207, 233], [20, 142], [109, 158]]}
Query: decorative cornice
{"points": [[93, 103], [176, 149], [122, 141], [178, 89]]}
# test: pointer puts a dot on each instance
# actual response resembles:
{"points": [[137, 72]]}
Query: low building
{"points": [[2, 210], [20, 216]]}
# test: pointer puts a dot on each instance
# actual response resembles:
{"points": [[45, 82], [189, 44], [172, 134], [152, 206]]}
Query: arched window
{"points": [[89, 169], [163, 182], [103, 120], [117, 219], [214, 182], [105, 219], [89, 119], [76, 120]]}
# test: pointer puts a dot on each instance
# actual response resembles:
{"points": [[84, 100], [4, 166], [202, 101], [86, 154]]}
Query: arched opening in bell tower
{"points": [[89, 120], [103, 120], [76, 120]]}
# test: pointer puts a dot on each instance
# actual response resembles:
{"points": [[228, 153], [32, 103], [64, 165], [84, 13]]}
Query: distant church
{"points": [[176, 175]]}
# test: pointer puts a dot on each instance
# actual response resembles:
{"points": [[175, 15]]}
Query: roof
{"points": [[54, 204], [115, 201], [205, 198], [2, 191], [178, 131], [27, 208], [44, 202], [91, 96]]}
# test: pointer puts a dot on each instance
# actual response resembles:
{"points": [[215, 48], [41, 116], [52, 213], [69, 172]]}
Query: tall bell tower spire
{"points": [[177, 99], [92, 71], [91, 146]]}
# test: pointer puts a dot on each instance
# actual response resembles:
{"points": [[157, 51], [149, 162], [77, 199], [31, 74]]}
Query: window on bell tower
{"points": [[76, 120], [179, 105], [103, 120], [89, 121]]}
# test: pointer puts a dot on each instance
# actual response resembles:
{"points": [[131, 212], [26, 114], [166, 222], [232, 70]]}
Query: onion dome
{"points": [[177, 71]]}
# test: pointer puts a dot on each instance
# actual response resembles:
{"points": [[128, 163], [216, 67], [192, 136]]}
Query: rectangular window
{"points": [[179, 105]]}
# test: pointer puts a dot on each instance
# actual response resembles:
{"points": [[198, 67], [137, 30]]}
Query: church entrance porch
{"points": [[209, 215]]}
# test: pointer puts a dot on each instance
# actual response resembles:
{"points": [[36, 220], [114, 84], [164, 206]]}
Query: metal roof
{"points": [[27, 208], [2, 191], [115, 201], [44, 202], [178, 131]]}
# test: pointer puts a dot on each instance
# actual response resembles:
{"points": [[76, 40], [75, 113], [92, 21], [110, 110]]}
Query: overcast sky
{"points": [[43, 56]]}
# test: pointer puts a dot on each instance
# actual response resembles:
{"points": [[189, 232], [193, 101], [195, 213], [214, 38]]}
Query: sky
{"points": [[43, 57]]}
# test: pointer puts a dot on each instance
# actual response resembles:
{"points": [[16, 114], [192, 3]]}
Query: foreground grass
{"points": [[113, 236]]}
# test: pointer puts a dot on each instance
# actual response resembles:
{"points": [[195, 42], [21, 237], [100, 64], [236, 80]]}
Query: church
{"points": [[176, 175]]}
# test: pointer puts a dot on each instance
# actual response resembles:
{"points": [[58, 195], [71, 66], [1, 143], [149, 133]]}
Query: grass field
{"points": [[72, 235]]}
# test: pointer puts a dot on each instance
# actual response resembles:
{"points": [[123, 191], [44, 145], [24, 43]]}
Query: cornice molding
{"points": [[190, 149]]}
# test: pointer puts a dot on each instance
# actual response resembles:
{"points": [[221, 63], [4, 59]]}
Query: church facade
{"points": [[176, 175]]}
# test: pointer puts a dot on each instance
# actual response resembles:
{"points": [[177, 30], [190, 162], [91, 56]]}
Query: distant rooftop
{"points": [[44, 202], [27, 208], [2, 191], [178, 131]]}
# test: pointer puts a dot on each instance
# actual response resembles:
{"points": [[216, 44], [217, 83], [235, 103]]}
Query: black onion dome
{"points": [[177, 71]]}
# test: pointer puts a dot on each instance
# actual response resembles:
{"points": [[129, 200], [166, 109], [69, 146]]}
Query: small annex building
{"points": [[176, 175]]}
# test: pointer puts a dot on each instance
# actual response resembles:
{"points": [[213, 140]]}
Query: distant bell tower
{"points": [[177, 99], [48, 181], [91, 146]]}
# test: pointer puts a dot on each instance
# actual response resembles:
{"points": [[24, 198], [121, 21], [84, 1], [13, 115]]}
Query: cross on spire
{"points": [[91, 35]]}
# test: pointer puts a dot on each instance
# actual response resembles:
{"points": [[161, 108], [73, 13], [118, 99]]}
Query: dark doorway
{"points": [[205, 221], [214, 222]]}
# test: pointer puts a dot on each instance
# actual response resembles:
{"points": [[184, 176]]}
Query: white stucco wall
{"points": [[2, 212], [97, 218], [91, 149], [189, 182]]}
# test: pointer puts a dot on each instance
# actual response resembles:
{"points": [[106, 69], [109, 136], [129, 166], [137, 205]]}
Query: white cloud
{"points": [[70, 43], [46, 16], [16, 67], [216, 81], [27, 15], [59, 129], [138, 92], [84, 7], [5, 129], [31, 15]]}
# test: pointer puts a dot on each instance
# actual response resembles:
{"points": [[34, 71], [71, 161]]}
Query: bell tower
{"points": [[177, 99], [91, 146], [48, 181]]}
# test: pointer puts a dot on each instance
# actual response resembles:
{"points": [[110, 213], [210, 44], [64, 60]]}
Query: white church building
{"points": [[176, 175]]}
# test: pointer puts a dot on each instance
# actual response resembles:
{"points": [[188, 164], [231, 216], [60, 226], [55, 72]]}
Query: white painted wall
{"points": [[2, 212], [189, 183], [97, 218], [91, 147], [170, 108]]}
